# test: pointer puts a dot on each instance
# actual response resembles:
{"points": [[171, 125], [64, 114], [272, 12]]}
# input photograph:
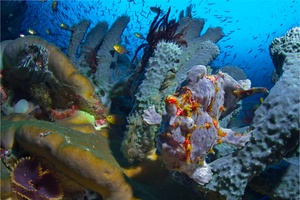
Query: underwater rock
{"points": [[83, 157], [191, 128], [39, 70], [275, 133]]}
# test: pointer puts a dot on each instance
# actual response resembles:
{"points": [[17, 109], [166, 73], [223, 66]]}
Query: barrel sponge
{"points": [[58, 72], [85, 158]]}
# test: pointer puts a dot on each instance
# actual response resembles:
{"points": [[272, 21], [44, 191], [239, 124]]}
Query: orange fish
{"points": [[120, 49]]}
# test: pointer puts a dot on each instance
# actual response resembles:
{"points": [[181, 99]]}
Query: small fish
{"points": [[155, 9], [64, 26], [115, 119], [31, 31], [48, 32], [138, 35], [54, 5], [261, 100], [120, 49]]}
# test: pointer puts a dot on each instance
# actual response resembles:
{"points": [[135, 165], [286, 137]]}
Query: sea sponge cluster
{"points": [[139, 138], [275, 135], [191, 128]]}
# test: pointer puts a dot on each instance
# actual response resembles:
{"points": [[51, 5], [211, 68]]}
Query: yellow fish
{"points": [[138, 35], [115, 119], [31, 31], [120, 49], [64, 26], [261, 100]]}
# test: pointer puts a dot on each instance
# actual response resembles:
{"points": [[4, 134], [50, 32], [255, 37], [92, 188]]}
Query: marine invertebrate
{"points": [[191, 129], [139, 138], [83, 157], [39, 69], [160, 30], [90, 58], [62, 114], [282, 47], [31, 180], [275, 132]]}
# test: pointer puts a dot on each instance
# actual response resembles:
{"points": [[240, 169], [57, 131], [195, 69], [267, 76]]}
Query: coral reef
{"points": [[37, 69], [166, 69], [275, 134], [83, 157], [164, 111], [139, 138], [191, 129]]}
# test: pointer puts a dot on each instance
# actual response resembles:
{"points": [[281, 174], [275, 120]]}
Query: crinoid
{"points": [[160, 29], [90, 58]]}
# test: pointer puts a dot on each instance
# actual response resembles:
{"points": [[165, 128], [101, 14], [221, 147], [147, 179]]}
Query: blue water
{"points": [[249, 26]]}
